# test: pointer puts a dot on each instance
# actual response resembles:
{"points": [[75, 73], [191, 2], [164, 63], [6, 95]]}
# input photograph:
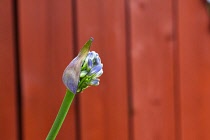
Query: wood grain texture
{"points": [[152, 70], [164, 71], [104, 109], [194, 46], [46, 49], [8, 120]]}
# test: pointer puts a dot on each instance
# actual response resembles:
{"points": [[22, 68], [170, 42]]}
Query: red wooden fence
{"points": [[156, 81]]}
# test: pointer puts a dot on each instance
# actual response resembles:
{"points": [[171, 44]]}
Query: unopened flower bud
{"points": [[93, 66], [71, 74], [84, 70], [94, 82], [83, 73], [95, 69], [90, 64]]}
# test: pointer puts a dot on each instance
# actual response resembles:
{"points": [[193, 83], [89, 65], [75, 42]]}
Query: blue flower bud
{"points": [[91, 55], [71, 74], [95, 69], [97, 60], [84, 70], [90, 64], [86, 59], [98, 74], [94, 82], [91, 70]]}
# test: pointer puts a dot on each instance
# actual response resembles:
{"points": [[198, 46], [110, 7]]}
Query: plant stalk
{"points": [[61, 115]]}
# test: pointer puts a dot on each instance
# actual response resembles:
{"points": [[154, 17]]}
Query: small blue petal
{"points": [[91, 55], [94, 82], [98, 74], [97, 60], [90, 63], [95, 69]]}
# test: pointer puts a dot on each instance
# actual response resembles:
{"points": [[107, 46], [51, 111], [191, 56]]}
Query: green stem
{"points": [[61, 115]]}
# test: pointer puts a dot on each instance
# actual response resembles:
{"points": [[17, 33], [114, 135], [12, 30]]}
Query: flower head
{"points": [[90, 72], [83, 70]]}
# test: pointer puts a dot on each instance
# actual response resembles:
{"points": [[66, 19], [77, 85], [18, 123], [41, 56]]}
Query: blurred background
{"points": [[156, 81]]}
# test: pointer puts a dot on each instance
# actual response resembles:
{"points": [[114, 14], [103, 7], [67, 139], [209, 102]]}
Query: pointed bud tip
{"points": [[91, 39]]}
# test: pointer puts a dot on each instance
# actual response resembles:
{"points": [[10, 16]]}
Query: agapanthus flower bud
{"points": [[90, 64], [93, 66], [94, 82], [71, 74], [84, 70], [83, 73], [95, 69]]}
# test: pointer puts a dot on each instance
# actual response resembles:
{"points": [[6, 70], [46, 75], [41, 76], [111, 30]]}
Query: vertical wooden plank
{"points": [[152, 69], [8, 120], [194, 46], [46, 49], [104, 109]]}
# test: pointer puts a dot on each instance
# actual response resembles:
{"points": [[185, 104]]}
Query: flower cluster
{"points": [[91, 70], [84, 70]]}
